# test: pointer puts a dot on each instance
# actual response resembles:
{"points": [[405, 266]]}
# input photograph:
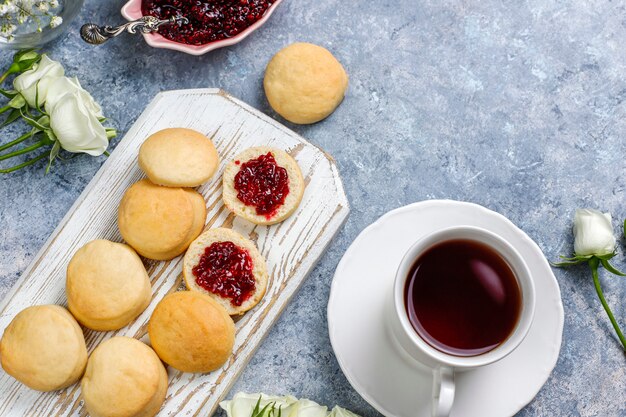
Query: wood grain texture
{"points": [[291, 248]]}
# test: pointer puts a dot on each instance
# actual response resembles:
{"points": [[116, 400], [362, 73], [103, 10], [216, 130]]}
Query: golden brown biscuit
{"points": [[197, 252], [44, 348], [294, 196], [124, 378], [197, 226], [107, 285], [178, 157], [304, 83], [160, 222], [191, 332]]}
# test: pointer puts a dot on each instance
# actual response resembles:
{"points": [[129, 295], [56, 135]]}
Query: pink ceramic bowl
{"points": [[132, 11]]}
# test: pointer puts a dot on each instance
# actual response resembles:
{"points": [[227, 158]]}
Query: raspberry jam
{"points": [[209, 20], [225, 269], [263, 184]]}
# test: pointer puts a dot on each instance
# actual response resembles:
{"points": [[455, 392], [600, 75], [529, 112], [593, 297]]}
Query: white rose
{"points": [[243, 404], [593, 233], [64, 85], [37, 80], [76, 127], [305, 408], [341, 412]]}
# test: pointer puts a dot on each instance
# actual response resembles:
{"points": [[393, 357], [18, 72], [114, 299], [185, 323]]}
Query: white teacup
{"points": [[444, 365]]}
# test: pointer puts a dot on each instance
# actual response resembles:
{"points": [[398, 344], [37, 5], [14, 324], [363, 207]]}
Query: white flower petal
{"points": [[305, 408], [64, 85], [243, 404], [593, 233], [76, 127], [39, 79], [342, 412]]}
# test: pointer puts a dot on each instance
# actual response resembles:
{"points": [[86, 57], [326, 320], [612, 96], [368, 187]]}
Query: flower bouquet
{"points": [[60, 113], [25, 16]]}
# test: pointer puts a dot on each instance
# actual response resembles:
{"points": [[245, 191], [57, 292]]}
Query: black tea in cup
{"points": [[462, 298]]}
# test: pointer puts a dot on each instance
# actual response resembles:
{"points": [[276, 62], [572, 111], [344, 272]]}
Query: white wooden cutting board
{"points": [[291, 248]]}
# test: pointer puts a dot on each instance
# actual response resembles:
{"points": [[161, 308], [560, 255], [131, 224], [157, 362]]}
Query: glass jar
{"points": [[27, 35]]}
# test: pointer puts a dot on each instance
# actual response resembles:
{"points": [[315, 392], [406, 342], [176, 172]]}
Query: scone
{"points": [[228, 267], [304, 83], [263, 185], [178, 157], [44, 348], [160, 222], [107, 285], [124, 378], [191, 332]]}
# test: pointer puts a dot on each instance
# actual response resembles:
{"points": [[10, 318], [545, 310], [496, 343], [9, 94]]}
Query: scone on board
{"points": [[191, 332], [228, 268], [107, 285], [44, 348], [160, 222], [263, 185], [178, 157], [124, 378]]}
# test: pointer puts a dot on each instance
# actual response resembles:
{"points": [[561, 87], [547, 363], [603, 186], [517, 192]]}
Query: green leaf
{"points": [[51, 137], [625, 228], [26, 59], [255, 411], [605, 263], [565, 264], [574, 260], [606, 257], [44, 120], [54, 152], [34, 123], [37, 97], [264, 409], [13, 116], [17, 102], [26, 55], [8, 93]]}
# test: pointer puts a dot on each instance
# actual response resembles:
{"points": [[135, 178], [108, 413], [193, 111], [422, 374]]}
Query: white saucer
{"points": [[394, 384]]}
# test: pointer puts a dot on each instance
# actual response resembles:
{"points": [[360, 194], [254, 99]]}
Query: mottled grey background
{"points": [[515, 105]]}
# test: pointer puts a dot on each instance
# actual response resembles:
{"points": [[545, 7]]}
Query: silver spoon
{"points": [[97, 35]]}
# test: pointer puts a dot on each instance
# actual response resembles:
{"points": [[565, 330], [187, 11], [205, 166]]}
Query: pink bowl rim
{"points": [[132, 11]]}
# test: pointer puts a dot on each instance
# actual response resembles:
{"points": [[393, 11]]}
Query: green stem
{"points": [[24, 150], [593, 264], [24, 164], [5, 108], [16, 141]]}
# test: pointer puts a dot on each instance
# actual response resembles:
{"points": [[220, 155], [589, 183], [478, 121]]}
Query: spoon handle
{"points": [[97, 35]]}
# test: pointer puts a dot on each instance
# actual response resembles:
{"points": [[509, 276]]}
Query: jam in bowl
{"points": [[211, 23]]}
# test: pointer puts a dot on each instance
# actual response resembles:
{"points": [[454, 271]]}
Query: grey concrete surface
{"points": [[515, 105]]}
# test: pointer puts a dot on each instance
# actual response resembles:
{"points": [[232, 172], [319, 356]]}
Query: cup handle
{"points": [[443, 391]]}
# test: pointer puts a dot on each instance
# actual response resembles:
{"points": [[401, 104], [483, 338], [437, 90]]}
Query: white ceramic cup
{"points": [[444, 365]]}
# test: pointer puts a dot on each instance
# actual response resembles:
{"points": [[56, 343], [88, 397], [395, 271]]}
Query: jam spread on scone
{"points": [[225, 269], [263, 184]]}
